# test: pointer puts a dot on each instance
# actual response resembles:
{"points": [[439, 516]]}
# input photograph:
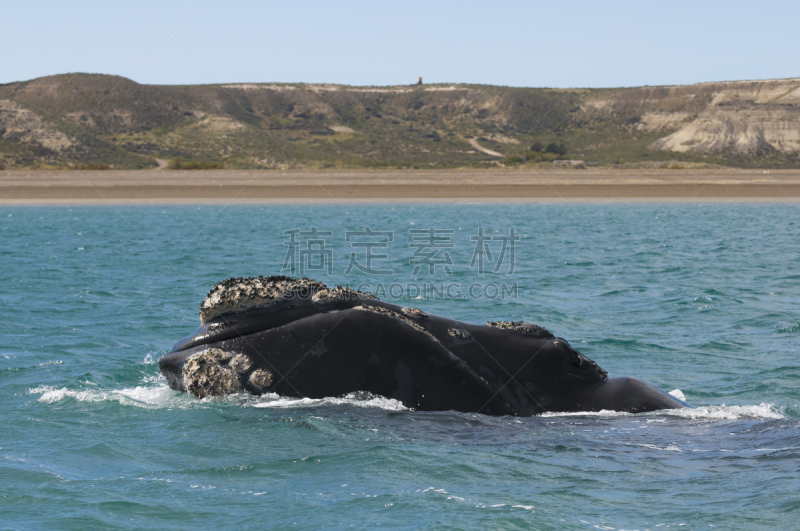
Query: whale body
{"points": [[299, 338]]}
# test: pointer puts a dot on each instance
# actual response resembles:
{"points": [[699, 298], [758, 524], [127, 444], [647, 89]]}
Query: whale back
{"points": [[297, 337]]}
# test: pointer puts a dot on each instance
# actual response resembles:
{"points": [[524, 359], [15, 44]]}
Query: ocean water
{"points": [[701, 300]]}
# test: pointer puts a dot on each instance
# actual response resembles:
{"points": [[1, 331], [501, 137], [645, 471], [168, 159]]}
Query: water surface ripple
{"points": [[700, 298]]}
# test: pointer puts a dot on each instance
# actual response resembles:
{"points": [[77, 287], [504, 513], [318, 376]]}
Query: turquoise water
{"points": [[704, 299]]}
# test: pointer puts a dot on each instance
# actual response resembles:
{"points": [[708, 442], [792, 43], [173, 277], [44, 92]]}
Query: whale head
{"points": [[575, 383]]}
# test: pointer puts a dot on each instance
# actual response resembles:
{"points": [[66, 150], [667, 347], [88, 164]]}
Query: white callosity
{"points": [[337, 295], [459, 333], [261, 379], [214, 372], [240, 363], [209, 373], [522, 328], [414, 313], [380, 310], [240, 294]]}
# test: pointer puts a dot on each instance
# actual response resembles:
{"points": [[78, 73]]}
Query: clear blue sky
{"points": [[527, 43]]}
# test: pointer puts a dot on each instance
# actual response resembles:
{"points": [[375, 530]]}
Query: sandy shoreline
{"points": [[233, 186]]}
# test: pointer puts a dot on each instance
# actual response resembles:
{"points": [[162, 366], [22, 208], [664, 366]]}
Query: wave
{"points": [[760, 412], [156, 397], [677, 393], [162, 397], [151, 358], [364, 400], [789, 329]]}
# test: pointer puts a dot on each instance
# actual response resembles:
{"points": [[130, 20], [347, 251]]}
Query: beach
{"points": [[332, 186]]}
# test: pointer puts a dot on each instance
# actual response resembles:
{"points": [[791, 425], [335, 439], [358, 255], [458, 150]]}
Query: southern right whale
{"points": [[299, 338]]}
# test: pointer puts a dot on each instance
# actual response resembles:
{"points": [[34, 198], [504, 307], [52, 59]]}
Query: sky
{"points": [[568, 43]]}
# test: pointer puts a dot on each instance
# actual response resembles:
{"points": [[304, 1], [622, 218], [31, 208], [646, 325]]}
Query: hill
{"points": [[97, 121]]}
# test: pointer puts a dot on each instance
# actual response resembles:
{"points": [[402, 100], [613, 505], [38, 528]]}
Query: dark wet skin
{"points": [[429, 363]]}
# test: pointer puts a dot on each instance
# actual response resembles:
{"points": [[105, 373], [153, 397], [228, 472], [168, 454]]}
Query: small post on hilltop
{"points": [[419, 81]]}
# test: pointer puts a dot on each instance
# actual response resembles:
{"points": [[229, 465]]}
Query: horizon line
{"points": [[438, 83]]}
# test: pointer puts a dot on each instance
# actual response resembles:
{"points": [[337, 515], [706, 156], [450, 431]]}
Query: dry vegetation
{"points": [[96, 122]]}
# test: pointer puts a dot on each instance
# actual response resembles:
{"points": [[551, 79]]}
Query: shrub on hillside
{"points": [[178, 164], [513, 159], [542, 157], [557, 149], [93, 166]]}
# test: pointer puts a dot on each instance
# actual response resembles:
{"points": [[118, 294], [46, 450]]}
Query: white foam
{"points": [[433, 489], [480, 505], [677, 393], [156, 394], [760, 412], [155, 397], [670, 448], [272, 400], [152, 378], [601, 413], [51, 394]]}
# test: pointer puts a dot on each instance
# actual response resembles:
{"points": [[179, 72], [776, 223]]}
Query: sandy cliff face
{"points": [[743, 117], [17, 121]]}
